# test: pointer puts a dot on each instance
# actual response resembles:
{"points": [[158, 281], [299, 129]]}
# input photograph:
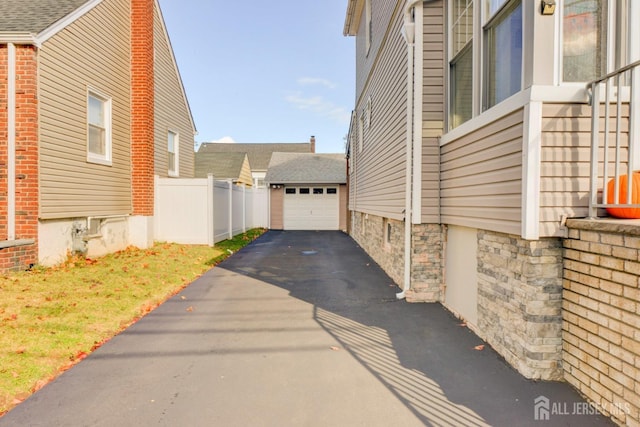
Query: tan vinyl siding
{"points": [[276, 203], [433, 90], [343, 207], [245, 173], [379, 168], [565, 162], [481, 177], [171, 111], [87, 54], [382, 12]]}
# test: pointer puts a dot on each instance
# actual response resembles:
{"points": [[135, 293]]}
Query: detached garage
{"points": [[307, 191]]}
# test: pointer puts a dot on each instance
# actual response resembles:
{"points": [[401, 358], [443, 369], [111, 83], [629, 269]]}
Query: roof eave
{"points": [[61, 24], [352, 19], [23, 38]]}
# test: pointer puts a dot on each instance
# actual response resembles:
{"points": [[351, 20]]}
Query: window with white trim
{"points": [[461, 63], [368, 29], [173, 144], [502, 51], [361, 132], [98, 128], [594, 35]]}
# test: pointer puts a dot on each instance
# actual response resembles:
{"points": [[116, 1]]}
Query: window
{"points": [[173, 153], [318, 191], [368, 26], [503, 52], [361, 132], [368, 113], [588, 27], [304, 191], [332, 191], [290, 191], [98, 128], [461, 64]]}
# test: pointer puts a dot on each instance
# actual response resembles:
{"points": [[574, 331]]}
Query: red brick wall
{"points": [[142, 106], [26, 156], [3, 141]]}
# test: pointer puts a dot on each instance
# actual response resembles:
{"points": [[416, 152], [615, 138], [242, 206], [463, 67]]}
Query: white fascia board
{"points": [[58, 26], [18, 38]]}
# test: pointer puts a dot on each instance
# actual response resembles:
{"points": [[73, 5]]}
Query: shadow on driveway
{"points": [[420, 352], [296, 329]]}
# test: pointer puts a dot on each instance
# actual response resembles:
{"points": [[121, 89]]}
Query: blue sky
{"points": [[265, 71]]}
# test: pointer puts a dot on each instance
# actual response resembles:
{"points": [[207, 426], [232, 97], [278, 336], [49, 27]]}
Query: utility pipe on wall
{"points": [[408, 33]]}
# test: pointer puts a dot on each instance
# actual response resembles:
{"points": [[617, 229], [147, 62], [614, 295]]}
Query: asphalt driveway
{"points": [[297, 329]]}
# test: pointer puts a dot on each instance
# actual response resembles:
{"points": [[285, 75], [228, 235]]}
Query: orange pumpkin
{"points": [[629, 213]]}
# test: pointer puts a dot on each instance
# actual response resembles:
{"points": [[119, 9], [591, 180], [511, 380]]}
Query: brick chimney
{"points": [[142, 107], [312, 142]]}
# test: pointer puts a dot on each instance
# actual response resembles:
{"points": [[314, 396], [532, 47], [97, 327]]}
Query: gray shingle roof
{"points": [[259, 154], [221, 165], [34, 16], [307, 168]]}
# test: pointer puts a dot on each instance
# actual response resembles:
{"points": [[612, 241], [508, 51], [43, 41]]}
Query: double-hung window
{"points": [[173, 152], [461, 63], [98, 128], [502, 50], [368, 26], [594, 38]]}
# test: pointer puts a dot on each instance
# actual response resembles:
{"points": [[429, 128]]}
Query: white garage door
{"points": [[311, 208]]}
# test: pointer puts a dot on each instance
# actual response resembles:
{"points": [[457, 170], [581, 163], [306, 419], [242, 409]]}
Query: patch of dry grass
{"points": [[52, 318]]}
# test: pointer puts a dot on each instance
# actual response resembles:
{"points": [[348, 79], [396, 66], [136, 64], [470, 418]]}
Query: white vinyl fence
{"points": [[205, 210]]}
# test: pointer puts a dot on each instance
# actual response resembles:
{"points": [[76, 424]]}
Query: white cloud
{"points": [[225, 140], [310, 81], [319, 106]]}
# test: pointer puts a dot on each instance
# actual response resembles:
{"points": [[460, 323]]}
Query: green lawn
{"points": [[50, 318]]}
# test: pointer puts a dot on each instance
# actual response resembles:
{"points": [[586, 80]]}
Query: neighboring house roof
{"points": [[259, 154], [307, 168], [34, 16], [221, 165], [34, 21]]}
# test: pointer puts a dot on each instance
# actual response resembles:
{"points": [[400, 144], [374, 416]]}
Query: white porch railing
{"points": [[615, 134], [206, 211]]}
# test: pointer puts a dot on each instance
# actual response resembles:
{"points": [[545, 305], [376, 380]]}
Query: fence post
{"points": [[230, 209], [211, 224], [244, 208]]}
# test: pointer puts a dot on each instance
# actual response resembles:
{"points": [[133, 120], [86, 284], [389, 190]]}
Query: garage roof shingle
{"points": [[307, 168]]}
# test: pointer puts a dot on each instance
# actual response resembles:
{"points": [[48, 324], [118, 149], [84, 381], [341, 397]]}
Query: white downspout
{"points": [[408, 32], [11, 142]]}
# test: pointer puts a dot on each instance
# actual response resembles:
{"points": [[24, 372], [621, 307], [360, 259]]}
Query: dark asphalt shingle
{"points": [[259, 153], [221, 165], [34, 16], [308, 168]]}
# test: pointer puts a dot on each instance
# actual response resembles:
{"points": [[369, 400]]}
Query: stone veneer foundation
{"points": [[520, 301], [383, 240]]}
